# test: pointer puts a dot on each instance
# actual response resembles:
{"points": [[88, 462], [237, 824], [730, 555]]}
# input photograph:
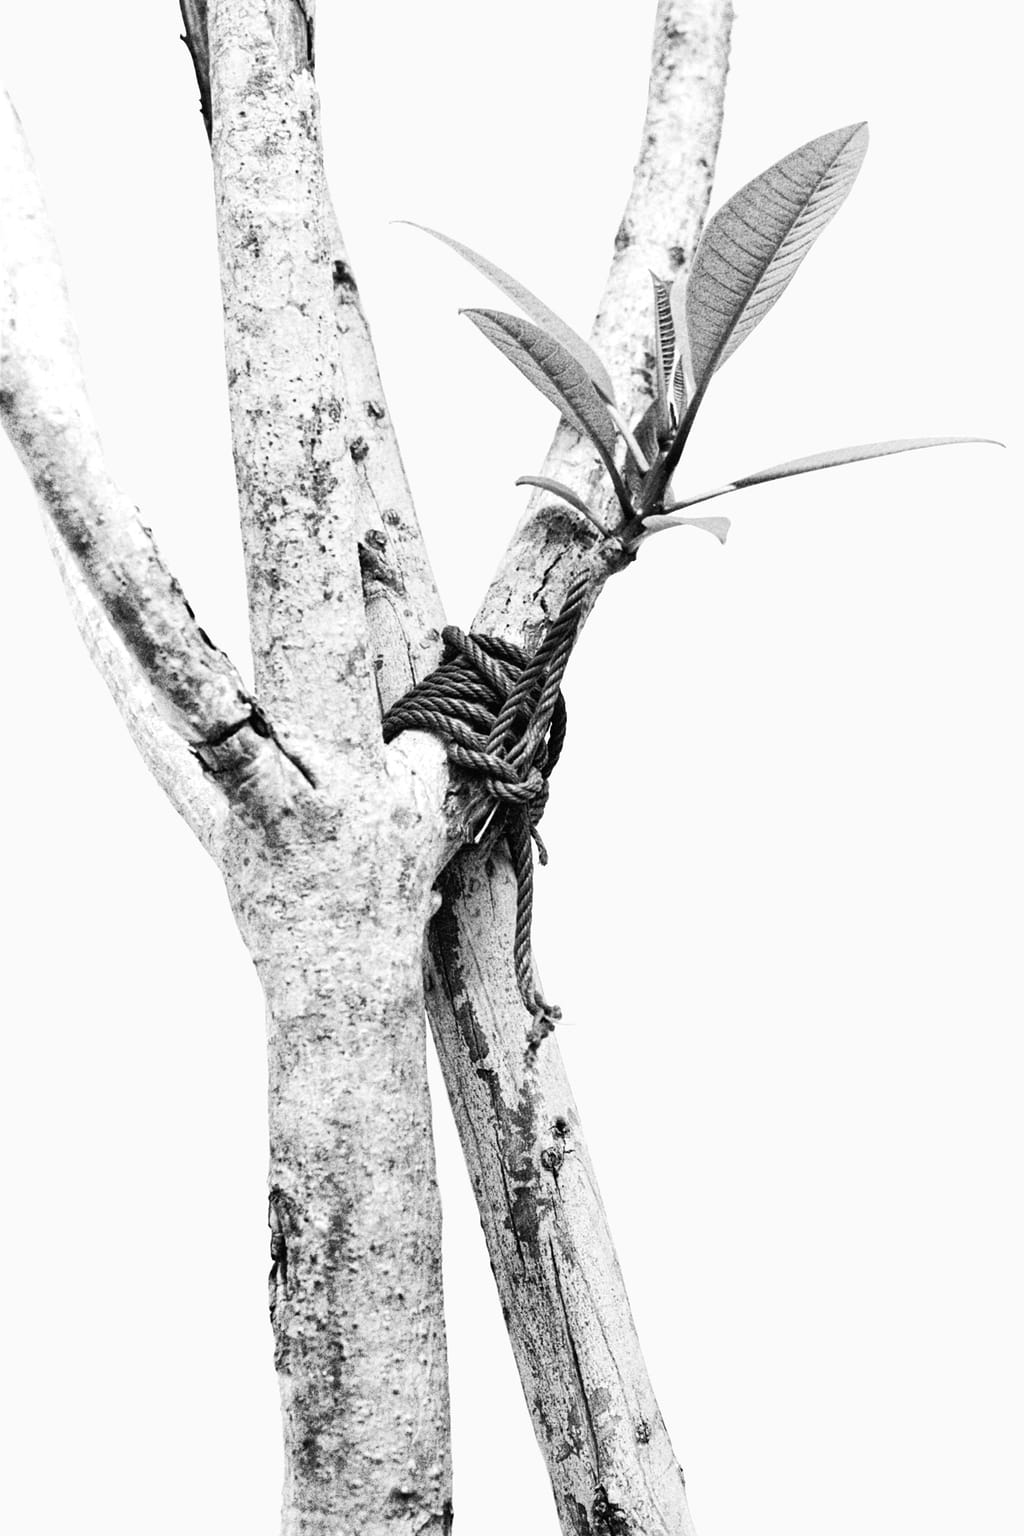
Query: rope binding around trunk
{"points": [[500, 714]]}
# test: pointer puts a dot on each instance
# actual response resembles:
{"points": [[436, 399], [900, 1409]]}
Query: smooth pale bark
{"points": [[191, 790], [608, 1455], [334, 913], [334, 924]]}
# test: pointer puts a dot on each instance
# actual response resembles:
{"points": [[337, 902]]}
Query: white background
{"points": [[784, 905]]}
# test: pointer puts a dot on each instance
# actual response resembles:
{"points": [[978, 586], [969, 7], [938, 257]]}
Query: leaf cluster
{"points": [[748, 254]]}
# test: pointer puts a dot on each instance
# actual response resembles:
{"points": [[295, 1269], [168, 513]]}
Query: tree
{"points": [[183, 1217]]}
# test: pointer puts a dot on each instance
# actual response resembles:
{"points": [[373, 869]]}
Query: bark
{"points": [[607, 1450], [334, 924], [608, 1455], [117, 567], [298, 492], [334, 913], [330, 868]]}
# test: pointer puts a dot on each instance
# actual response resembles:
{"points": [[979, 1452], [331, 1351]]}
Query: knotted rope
{"points": [[501, 717]]}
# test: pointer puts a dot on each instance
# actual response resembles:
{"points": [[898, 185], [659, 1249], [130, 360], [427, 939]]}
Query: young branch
{"points": [[298, 437], [598, 1425], [47, 415], [404, 617], [659, 232]]}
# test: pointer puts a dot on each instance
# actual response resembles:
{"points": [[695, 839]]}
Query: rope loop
{"points": [[500, 714]]}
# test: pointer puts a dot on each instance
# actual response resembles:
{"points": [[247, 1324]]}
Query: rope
{"points": [[501, 717]]}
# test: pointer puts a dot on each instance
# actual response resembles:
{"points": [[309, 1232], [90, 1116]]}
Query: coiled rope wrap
{"points": [[501, 717]]}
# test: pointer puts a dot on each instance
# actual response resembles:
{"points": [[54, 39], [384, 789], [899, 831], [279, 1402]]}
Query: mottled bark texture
{"points": [[117, 570], [336, 850], [334, 923], [334, 914], [611, 1464]]}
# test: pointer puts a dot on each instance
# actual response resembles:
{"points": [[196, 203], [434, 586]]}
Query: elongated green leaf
{"points": [[645, 434], [556, 488], [537, 310], [829, 458], [752, 247], [664, 344], [558, 376]]}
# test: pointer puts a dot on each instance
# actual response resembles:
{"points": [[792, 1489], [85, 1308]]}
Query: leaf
{"points": [[717, 526], [664, 344], [830, 458], [646, 433], [753, 246], [556, 488], [528, 302], [683, 386], [558, 376], [679, 390]]}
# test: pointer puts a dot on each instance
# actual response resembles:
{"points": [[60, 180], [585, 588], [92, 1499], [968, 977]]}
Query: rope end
{"points": [[545, 1017]]}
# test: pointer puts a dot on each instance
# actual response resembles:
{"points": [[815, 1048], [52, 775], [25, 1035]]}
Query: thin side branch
{"points": [[404, 615], [46, 413]]}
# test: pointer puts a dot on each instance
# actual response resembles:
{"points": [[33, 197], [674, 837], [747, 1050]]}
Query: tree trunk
{"points": [[334, 924], [608, 1454], [330, 845]]}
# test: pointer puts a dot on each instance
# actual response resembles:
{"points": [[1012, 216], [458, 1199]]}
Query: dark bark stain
{"points": [[580, 1518], [446, 945], [577, 1368], [125, 617], [344, 282], [609, 1519], [518, 1145]]}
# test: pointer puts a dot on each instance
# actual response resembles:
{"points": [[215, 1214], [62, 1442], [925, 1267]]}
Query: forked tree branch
{"points": [[46, 413], [608, 1454]]}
